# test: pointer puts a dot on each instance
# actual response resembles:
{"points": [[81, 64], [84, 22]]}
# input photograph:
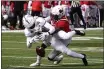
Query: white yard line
{"points": [[10, 36], [22, 31], [13, 42], [38, 42], [87, 49], [21, 57], [86, 38]]}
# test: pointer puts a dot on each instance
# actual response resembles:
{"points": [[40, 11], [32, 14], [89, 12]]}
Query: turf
{"points": [[15, 54]]}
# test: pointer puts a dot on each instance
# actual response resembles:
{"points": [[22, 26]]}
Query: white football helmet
{"points": [[57, 11], [39, 23], [28, 21]]}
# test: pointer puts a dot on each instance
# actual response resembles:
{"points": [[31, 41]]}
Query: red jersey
{"points": [[37, 5], [62, 24], [47, 4], [5, 3], [65, 3], [54, 3], [85, 2]]}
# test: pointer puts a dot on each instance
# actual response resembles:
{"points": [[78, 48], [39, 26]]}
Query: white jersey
{"points": [[40, 24]]}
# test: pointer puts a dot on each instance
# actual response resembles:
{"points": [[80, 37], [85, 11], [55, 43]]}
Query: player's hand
{"points": [[35, 39], [38, 29], [44, 36]]}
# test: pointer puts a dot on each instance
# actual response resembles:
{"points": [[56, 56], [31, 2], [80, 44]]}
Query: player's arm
{"points": [[66, 35], [29, 5], [51, 29], [48, 19], [28, 33], [30, 37]]}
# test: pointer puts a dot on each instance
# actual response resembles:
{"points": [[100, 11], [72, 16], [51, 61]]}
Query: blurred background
{"points": [[13, 11]]}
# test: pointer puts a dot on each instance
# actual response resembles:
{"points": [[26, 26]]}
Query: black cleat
{"points": [[82, 33], [85, 60]]}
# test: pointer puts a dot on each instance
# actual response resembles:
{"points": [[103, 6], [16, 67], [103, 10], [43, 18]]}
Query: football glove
{"points": [[44, 35], [34, 39]]}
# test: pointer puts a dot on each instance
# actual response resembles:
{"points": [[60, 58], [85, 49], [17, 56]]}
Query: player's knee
{"points": [[51, 59], [69, 53]]}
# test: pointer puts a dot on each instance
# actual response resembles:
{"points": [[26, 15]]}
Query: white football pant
{"points": [[60, 45], [85, 11]]}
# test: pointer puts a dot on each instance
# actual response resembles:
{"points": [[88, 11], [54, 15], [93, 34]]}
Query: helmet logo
{"points": [[60, 11]]}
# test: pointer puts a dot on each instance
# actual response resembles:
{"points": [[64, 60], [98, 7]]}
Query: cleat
{"points": [[82, 33], [85, 60], [57, 62], [34, 64]]}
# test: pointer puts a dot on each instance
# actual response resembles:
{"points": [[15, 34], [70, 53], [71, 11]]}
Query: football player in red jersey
{"points": [[60, 40]]}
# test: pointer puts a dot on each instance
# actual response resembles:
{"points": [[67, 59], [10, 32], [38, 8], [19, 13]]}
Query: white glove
{"points": [[31, 40], [34, 39], [38, 29], [28, 42], [44, 35]]}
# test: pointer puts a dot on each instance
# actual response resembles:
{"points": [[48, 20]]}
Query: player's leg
{"points": [[71, 13], [38, 61], [59, 46], [85, 12], [66, 42], [74, 54], [79, 12], [40, 51], [55, 56]]}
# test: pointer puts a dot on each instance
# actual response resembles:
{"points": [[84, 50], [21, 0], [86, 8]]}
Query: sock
{"points": [[38, 59]]}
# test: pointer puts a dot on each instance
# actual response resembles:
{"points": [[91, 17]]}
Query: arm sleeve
{"points": [[65, 35], [28, 33], [29, 4], [48, 19], [27, 42], [50, 27]]}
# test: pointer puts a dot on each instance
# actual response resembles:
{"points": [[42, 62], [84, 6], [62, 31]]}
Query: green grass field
{"points": [[15, 54]]}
